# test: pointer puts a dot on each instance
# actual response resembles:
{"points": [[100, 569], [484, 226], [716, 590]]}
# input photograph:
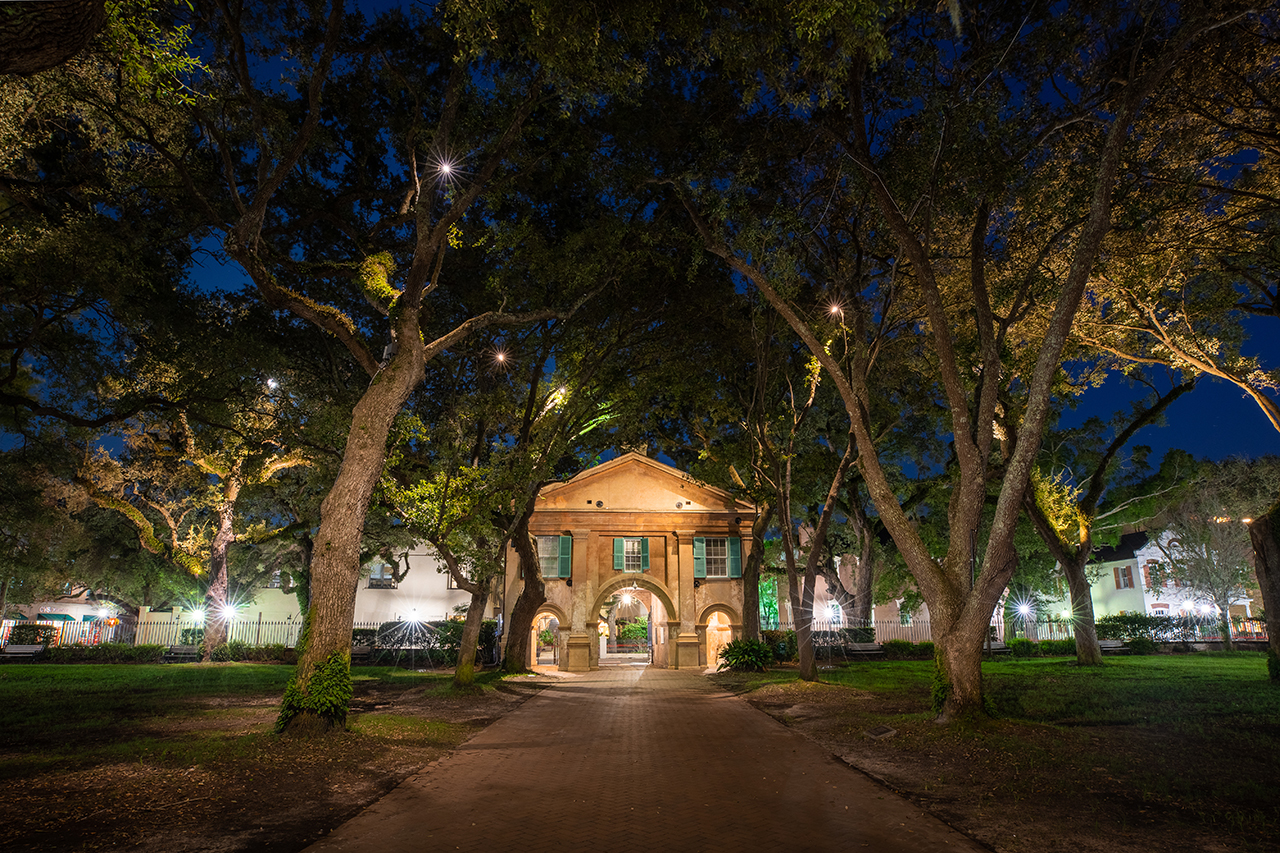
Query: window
{"points": [[382, 576], [274, 583], [717, 557], [717, 552], [1124, 577], [555, 555], [631, 555]]}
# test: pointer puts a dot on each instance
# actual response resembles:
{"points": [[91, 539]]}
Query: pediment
{"points": [[635, 483]]}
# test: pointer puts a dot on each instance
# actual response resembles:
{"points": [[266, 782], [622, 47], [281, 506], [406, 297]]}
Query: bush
{"points": [[1141, 646], [104, 653], [858, 635], [1021, 647], [234, 650], [191, 637], [633, 632], [899, 649], [746, 656], [925, 650], [1058, 648], [31, 634], [439, 640], [364, 636], [782, 643]]}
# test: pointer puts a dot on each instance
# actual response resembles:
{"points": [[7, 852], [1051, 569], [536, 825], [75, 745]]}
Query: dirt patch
{"points": [[1018, 787], [253, 790]]}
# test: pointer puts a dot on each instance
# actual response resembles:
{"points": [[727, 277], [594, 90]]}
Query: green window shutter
{"points": [[699, 557], [735, 557], [619, 554], [644, 555], [566, 556]]}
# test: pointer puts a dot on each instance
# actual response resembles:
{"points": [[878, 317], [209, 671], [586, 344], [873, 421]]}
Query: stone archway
{"points": [[545, 614], [717, 626], [664, 614]]}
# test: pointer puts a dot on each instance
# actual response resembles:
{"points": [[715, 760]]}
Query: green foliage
{"points": [[30, 634], [546, 638], [328, 693], [1141, 646], [1021, 647], [191, 636], [363, 636], [1273, 666], [939, 688], [633, 632], [746, 656], [229, 651], [907, 650], [1058, 648], [865, 634], [104, 653], [783, 644], [1158, 629]]}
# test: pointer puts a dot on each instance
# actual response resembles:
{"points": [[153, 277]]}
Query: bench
{"points": [[863, 649], [995, 648], [1113, 647], [360, 654], [23, 652], [181, 654]]}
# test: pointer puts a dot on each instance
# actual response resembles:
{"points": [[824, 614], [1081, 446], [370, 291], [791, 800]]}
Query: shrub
{"points": [[104, 653], [925, 650], [633, 632], [782, 643], [1141, 646], [234, 650], [865, 634], [364, 636], [746, 656], [191, 637], [898, 649], [31, 634], [1058, 648], [1021, 647]]}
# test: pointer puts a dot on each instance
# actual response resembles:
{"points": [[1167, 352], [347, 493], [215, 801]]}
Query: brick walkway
{"points": [[636, 759]]}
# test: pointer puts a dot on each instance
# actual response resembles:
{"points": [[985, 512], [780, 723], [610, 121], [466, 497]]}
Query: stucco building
{"points": [[635, 527]]}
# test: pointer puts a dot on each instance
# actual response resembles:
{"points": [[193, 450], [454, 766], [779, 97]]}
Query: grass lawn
{"points": [[1144, 753], [161, 757]]}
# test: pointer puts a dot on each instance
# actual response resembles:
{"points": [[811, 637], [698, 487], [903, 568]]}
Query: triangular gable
{"points": [[636, 483]]}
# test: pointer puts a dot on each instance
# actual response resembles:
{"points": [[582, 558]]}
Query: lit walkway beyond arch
{"points": [[628, 759]]}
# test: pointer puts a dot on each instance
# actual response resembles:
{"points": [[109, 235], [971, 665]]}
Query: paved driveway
{"points": [[636, 759]]}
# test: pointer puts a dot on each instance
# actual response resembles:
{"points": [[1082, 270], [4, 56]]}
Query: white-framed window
{"points": [[275, 582], [631, 554], [717, 558], [382, 576], [1124, 577], [555, 556]]}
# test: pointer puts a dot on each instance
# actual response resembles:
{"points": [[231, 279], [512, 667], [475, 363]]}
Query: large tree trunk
{"points": [[1088, 651], [4, 597], [35, 37], [316, 699], [1265, 534], [801, 592], [751, 575], [957, 690], [216, 615], [516, 653], [464, 675]]}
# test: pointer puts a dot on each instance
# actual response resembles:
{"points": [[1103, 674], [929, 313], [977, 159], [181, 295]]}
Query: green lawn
{"points": [[74, 715]]}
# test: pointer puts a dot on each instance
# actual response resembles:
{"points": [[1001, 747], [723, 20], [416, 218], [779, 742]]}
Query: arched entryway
{"points": [[549, 631], [718, 626], [634, 594]]}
